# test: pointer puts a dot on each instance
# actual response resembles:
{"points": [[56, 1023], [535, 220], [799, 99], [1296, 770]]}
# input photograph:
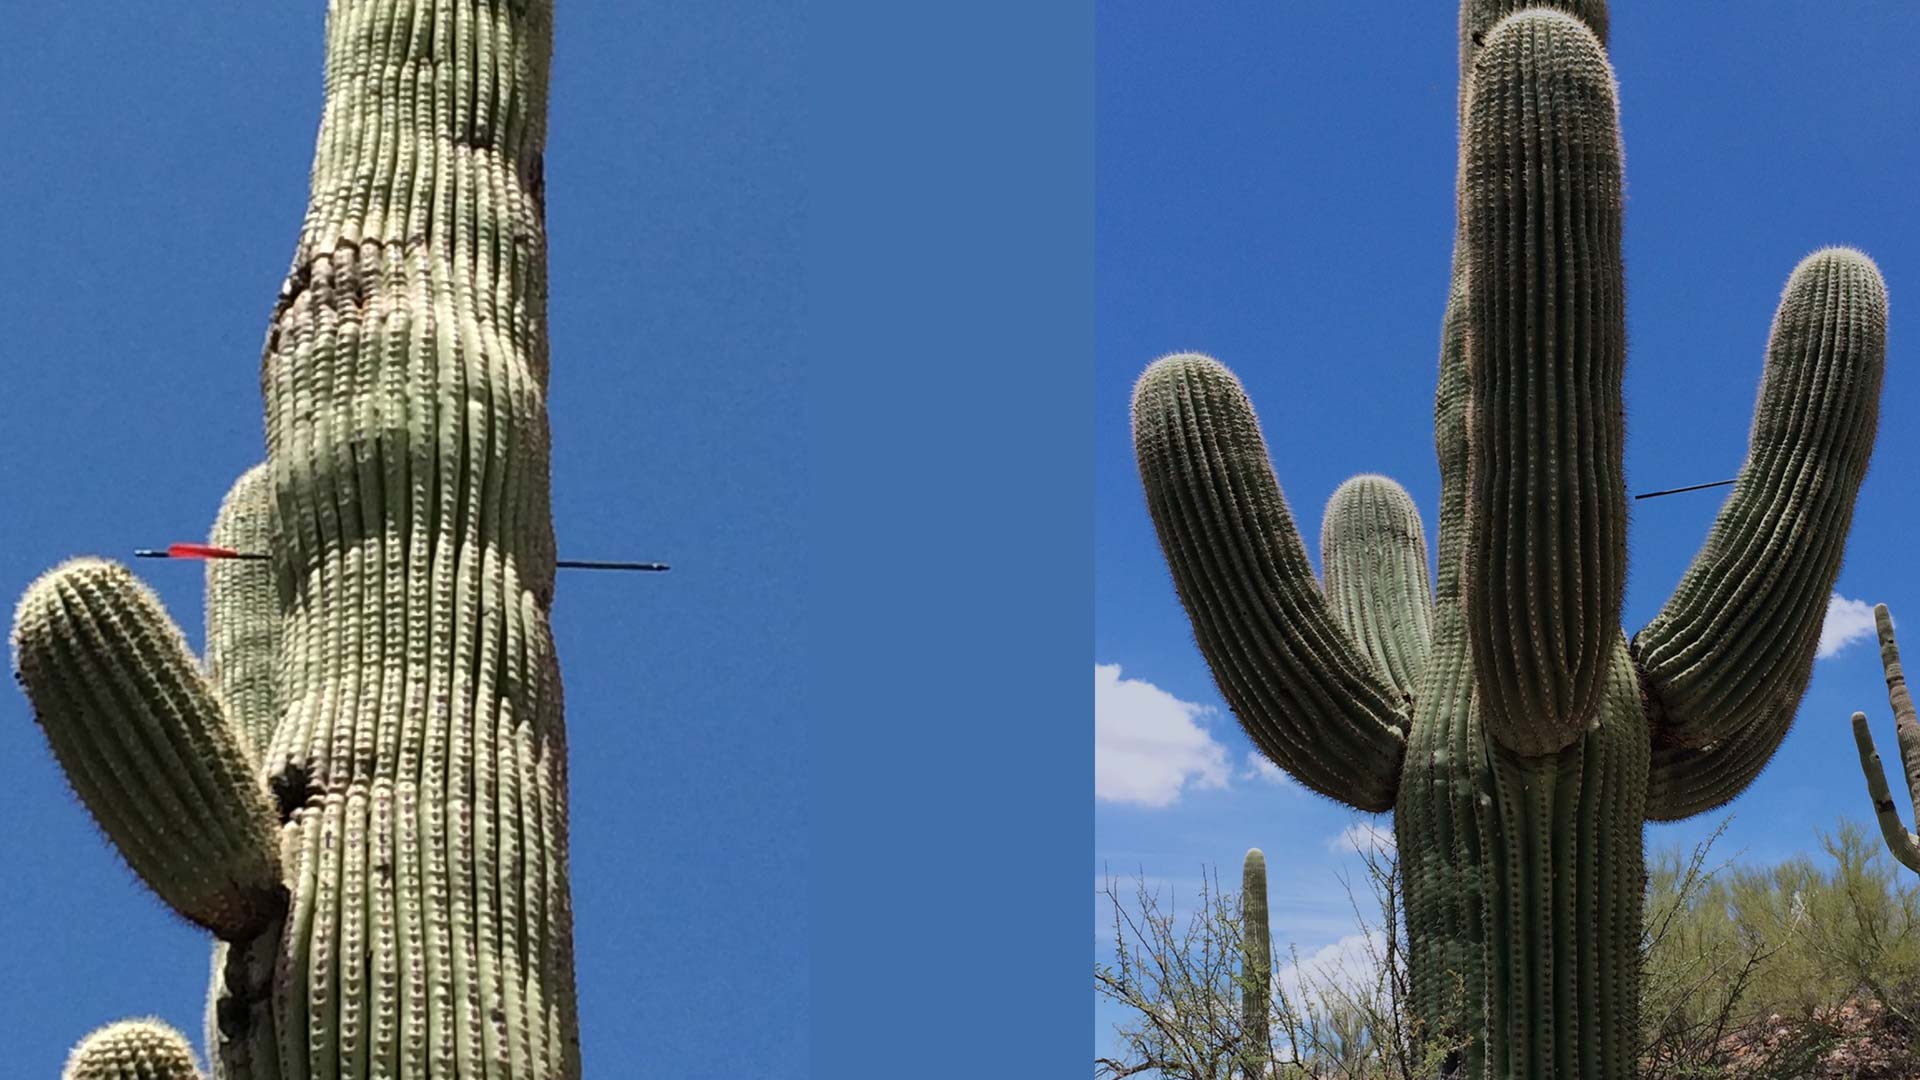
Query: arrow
{"points": [[194, 551], [1678, 490], [209, 551]]}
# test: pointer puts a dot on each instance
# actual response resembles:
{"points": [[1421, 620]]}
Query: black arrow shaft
{"points": [[1678, 490], [563, 564]]}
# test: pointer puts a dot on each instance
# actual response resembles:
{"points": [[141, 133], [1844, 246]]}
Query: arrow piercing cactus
{"points": [[1903, 845], [1519, 737], [365, 798]]}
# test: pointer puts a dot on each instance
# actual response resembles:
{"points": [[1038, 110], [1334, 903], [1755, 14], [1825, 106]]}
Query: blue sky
{"points": [[153, 184], [1275, 188]]}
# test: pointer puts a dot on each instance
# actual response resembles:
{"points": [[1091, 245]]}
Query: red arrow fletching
{"points": [[200, 551]]}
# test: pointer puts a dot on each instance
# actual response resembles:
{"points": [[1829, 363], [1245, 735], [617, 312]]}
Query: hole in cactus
{"points": [[290, 787], [234, 1018]]}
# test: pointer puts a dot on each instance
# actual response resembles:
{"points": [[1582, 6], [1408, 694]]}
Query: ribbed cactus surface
{"points": [[1256, 959], [132, 1050], [365, 796], [1521, 739]]}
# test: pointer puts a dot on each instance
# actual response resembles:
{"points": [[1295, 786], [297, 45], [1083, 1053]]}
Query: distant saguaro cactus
{"points": [[1256, 971], [1904, 846], [363, 798], [1519, 737]]}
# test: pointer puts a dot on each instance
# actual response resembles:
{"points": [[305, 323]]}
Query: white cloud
{"points": [[1348, 967], [1261, 767], [1362, 836], [1848, 621], [1148, 746]]}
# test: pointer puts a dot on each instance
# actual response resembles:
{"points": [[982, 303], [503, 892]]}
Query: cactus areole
{"points": [[363, 797], [1520, 738]]}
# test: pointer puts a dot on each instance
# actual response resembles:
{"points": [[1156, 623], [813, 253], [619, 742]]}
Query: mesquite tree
{"points": [[1519, 736]]}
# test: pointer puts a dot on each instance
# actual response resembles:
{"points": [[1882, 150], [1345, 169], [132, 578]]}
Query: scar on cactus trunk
{"points": [[363, 798], [1521, 739]]}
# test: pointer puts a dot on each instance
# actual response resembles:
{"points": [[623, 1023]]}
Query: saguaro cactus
{"points": [[132, 1050], [1523, 740], [1256, 970], [365, 798], [1904, 846]]}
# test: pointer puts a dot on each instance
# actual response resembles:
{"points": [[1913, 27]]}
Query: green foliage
{"points": [[1810, 967], [1178, 976]]}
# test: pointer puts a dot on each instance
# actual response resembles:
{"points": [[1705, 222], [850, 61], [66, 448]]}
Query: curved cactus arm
{"points": [[243, 611], [1307, 697], [1256, 973], [1906, 724], [1373, 559], [142, 740], [1733, 648], [1683, 780], [1546, 519], [1903, 844], [132, 1050]]}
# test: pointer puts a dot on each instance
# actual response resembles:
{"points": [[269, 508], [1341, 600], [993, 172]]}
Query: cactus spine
{"points": [[388, 695], [1534, 739], [1903, 845], [132, 1050]]}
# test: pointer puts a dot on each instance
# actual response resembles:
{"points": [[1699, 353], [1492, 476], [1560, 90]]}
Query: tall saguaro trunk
{"points": [[421, 747], [364, 796]]}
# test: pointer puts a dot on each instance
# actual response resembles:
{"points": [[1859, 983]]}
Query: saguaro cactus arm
{"points": [[1904, 845], [1684, 780], [243, 611], [1306, 695], [132, 1050], [1726, 661], [1541, 200], [142, 740], [1373, 559]]}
